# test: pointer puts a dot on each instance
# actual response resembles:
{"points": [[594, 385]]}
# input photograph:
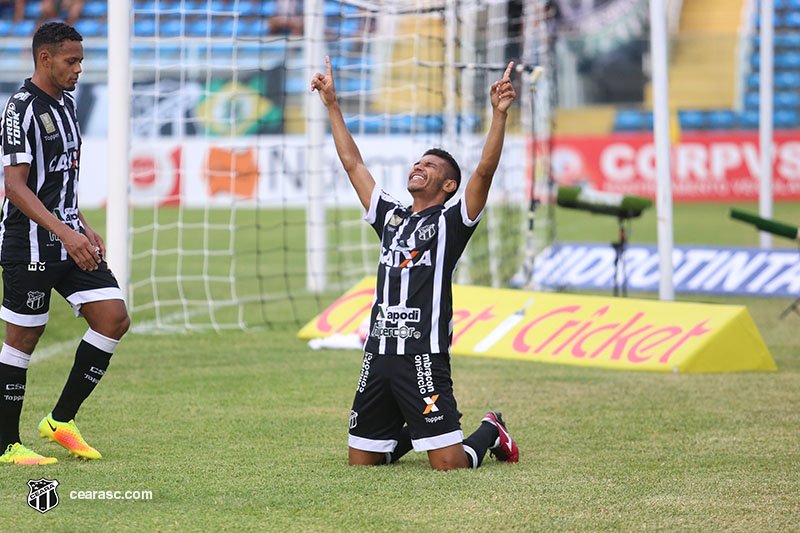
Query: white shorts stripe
{"points": [[26, 321], [13, 357], [439, 441], [76, 299], [370, 445]]}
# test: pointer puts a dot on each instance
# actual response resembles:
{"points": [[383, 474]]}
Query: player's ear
{"points": [[43, 55], [450, 186]]}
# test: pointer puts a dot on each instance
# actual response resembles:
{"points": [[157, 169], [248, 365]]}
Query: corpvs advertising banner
{"points": [[705, 167]]}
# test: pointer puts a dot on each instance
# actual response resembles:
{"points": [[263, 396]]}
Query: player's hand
{"points": [[80, 249], [323, 84], [502, 92], [96, 240]]}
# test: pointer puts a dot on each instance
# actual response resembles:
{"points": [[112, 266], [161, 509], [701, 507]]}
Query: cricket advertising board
{"points": [[619, 333], [705, 167]]}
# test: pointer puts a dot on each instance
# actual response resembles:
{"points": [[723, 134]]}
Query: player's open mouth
{"points": [[416, 177]]}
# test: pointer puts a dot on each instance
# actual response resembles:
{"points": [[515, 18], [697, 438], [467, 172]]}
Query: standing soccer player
{"points": [[405, 376], [45, 244]]}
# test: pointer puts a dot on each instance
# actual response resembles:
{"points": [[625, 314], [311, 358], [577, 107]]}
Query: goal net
{"points": [[241, 215]]}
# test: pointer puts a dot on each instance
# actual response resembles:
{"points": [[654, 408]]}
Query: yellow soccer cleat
{"points": [[18, 454], [68, 435]]}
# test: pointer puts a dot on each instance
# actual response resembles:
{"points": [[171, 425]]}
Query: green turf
{"points": [[247, 431]]}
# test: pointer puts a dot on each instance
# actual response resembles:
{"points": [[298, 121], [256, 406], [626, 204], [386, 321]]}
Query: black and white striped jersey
{"points": [[43, 132], [413, 308]]}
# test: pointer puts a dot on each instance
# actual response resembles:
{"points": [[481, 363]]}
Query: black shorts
{"points": [[26, 289], [404, 389]]}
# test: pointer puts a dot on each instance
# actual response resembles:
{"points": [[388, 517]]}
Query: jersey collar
{"points": [[33, 88], [425, 212]]}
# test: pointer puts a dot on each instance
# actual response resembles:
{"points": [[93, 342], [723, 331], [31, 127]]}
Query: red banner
{"points": [[704, 167]]}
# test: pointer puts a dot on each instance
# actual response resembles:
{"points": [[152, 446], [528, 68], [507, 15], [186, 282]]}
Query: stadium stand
{"points": [[744, 114]]}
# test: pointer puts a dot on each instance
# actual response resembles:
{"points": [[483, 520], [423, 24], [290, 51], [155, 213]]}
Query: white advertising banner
{"points": [[271, 170]]}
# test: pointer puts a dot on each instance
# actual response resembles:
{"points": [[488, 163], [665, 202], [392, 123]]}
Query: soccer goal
{"points": [[240, 215]]}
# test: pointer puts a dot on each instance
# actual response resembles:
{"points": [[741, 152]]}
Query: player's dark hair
{"points": [[456, 174], [53, 34]]}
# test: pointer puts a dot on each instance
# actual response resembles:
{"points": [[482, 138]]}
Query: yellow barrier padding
{"points": [[622, 333]]}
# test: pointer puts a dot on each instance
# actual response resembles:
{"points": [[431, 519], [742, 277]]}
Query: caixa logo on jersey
{"points": [[66, 161], [406, 259], [13, 131], [396, 313]]}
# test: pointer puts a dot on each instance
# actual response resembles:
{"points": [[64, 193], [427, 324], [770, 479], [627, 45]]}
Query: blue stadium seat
{"points": [[787, 99], [6, 26], [268, 9], [345, 27], [144, 26], [252, 27], [295, 85], [786, 119], [630, 120], [692, 120], [787, 80], [332, 8], [468, 123], [353, 84], [33, 10], [218, 6], [23, 28], [171, 26], [721, 119], [90, 27], [250, 8], [790, 20], [168, 50], [95, 9], [200, 27], [748, 119], [781, 100], [751, 100], [787, 60], [144, 6]]}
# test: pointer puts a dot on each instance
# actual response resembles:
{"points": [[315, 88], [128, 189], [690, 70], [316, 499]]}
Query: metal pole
{"points": [[658, 55], [316, 230], [119, 90], [765, 125]]}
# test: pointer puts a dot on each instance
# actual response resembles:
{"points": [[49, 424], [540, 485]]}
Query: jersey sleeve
{"points": [[380, 205], [17, 129], [459, 227]]}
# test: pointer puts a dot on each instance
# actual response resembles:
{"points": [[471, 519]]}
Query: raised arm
{"points": [[349, 155], [502, 94]]}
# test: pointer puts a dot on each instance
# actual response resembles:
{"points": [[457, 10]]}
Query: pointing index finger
{"points": [[507, 73], [328, 65]]}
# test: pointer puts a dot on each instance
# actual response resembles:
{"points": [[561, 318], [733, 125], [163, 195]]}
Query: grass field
{"points": [[247, 431]]}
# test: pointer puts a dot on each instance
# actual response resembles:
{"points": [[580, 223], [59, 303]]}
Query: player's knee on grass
{"points": [[449, 458], [363, 458]]}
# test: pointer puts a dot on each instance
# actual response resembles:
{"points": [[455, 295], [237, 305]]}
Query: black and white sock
{"points": [[403, 446], [13, 377], [91, 361], [481, 440]]}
